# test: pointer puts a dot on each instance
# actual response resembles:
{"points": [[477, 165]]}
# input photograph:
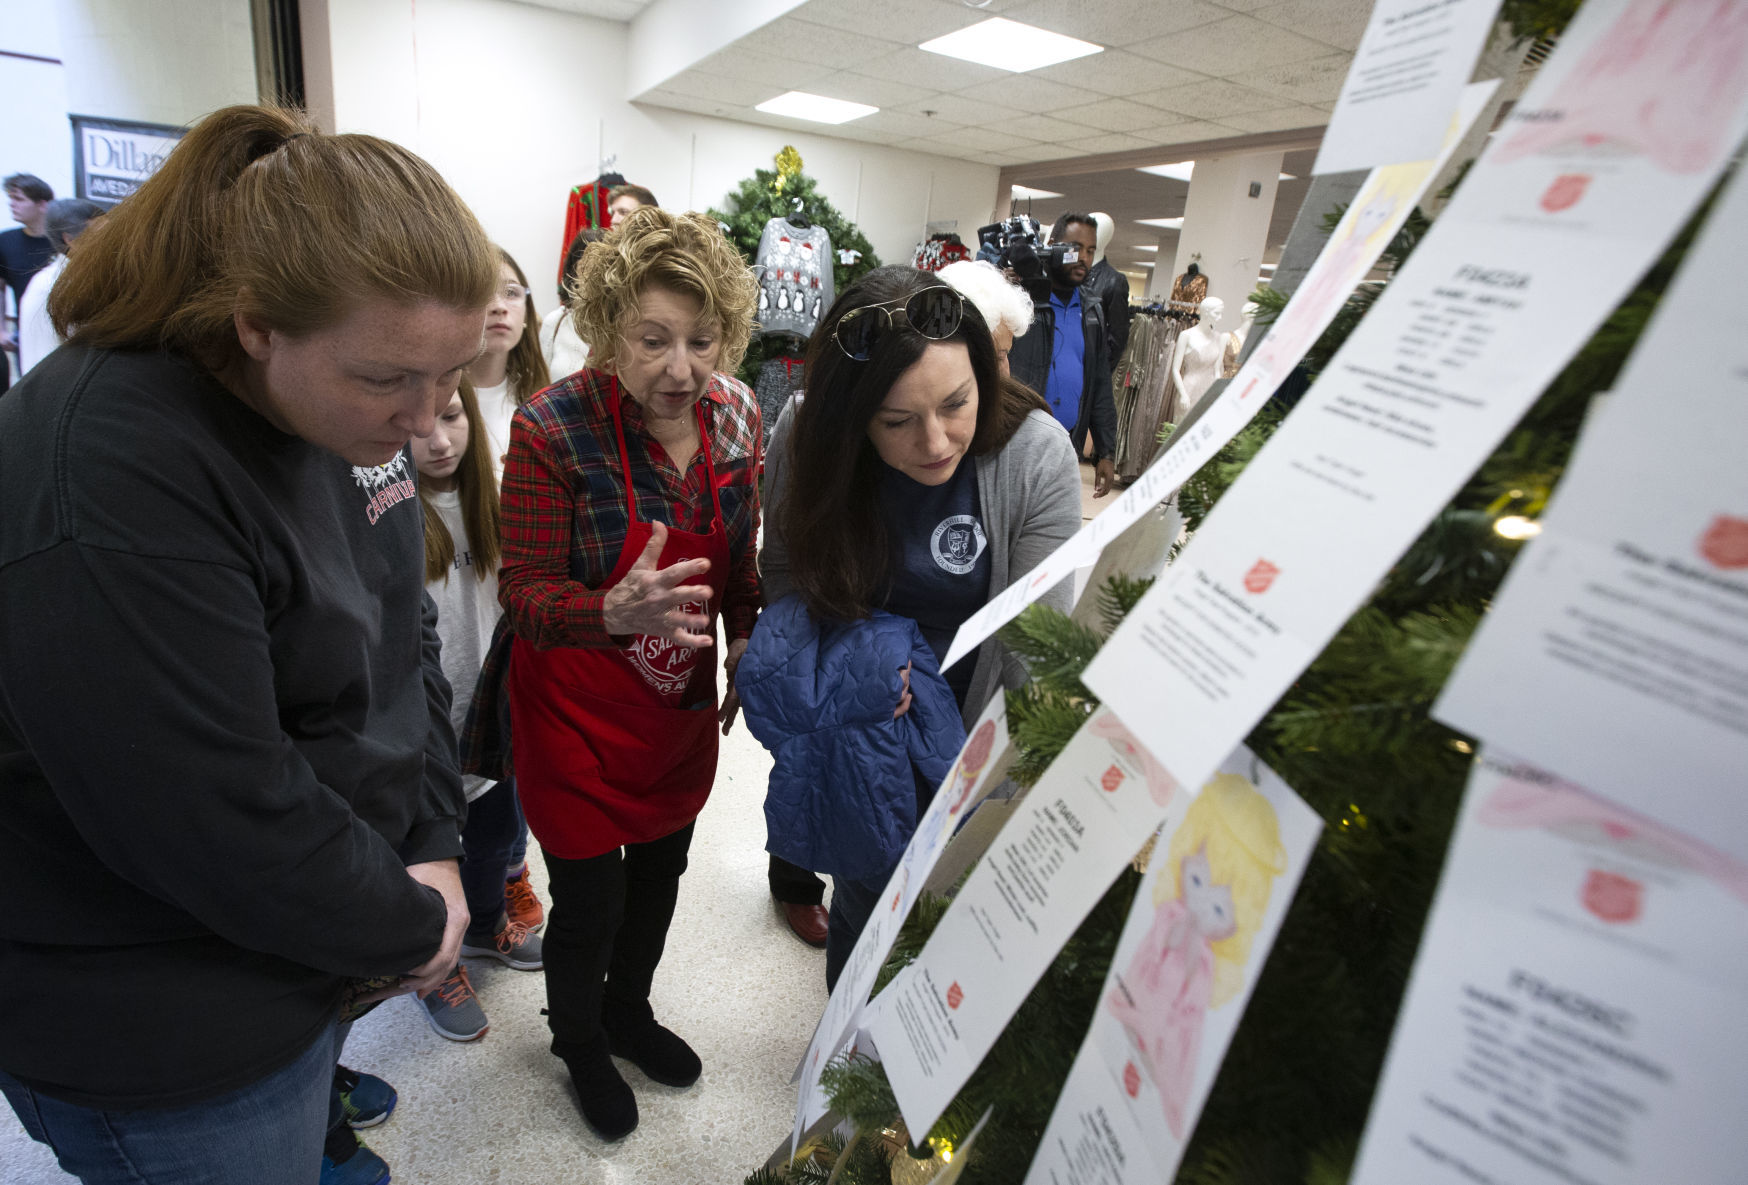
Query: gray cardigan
{"points": [[1030, 494]]}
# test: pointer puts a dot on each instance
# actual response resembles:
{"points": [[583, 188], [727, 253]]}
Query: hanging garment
{"points": [[794, 264], [618, 745], [1141, 383], [586, 209], [1190, 289], [938, 252], [779, 381]]}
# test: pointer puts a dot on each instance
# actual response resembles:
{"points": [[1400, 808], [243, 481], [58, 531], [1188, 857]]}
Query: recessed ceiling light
{"points": [[1146, 246], [818, 108], [1166, 223], [1183, 170], [1009, 45], [1028, 193], [1142, 263]]}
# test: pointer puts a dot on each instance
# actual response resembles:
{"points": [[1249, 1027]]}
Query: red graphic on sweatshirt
{"points": [[1258, 579], [1612, 897], [1112, 779], [1725, 543], [1131, 1079], [1566, 192], [955, 995]]}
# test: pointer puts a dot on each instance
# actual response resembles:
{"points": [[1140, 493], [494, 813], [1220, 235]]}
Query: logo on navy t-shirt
{"points": [[957, 543]]}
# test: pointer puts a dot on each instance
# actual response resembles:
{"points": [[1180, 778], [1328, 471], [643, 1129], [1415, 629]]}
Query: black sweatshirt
{"points": [[224, 732]]}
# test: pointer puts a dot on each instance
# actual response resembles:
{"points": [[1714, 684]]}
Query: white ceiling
{"points": [[1173, 72], [612, 10]]}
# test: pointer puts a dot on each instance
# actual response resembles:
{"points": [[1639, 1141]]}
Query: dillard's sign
{"points": [[112, 157]]}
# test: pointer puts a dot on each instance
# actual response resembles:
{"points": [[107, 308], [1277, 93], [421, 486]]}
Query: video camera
{"points": [[1018, 243]]}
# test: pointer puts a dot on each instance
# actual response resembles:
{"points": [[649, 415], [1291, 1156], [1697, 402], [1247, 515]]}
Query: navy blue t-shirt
{"points": [[940, 558]]}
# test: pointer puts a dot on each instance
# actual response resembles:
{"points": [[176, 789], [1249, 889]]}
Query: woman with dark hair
{"points": [[914, 479]]}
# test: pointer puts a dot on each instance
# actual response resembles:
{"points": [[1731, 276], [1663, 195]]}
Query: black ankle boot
{"points": [[608, 1104], [653, 1049]]}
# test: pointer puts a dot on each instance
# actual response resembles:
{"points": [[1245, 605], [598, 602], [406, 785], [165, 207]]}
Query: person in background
{"points": [[211, 510], [631, 506], [1069, 361], [24, 250], [623, 199], [913, 480], [66, 221], [1007, 311], [565, 352], [463, 540], [511, 370]]}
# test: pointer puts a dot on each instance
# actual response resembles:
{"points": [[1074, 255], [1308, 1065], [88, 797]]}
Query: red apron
{"points": [[617, 746]]}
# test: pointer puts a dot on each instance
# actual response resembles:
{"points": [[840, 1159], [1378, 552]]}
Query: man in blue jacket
{"points": [[1069, 363]]}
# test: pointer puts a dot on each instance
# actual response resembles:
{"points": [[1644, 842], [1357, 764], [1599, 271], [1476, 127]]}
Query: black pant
{"points": [[794, 885], [492, 819], [605, 931]]}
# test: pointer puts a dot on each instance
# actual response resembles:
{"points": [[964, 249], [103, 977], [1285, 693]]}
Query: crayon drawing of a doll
{"points": [[1209, 897]]}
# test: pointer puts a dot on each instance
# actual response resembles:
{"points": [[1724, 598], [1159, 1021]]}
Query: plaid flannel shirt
{"points": [[565, 518]]}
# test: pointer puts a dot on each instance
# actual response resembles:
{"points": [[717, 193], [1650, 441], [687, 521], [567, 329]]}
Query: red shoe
{"points": [[808, 921], [522, 904]]}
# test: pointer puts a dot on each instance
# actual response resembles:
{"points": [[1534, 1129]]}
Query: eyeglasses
{"points": [[935, 313], [513, 292]]}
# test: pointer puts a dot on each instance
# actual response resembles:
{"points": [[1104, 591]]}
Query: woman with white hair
{"points": [[1006, 308]]}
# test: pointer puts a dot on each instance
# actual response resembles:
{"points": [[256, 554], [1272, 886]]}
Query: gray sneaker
{"points": [[454, 1011], [513, 945]]}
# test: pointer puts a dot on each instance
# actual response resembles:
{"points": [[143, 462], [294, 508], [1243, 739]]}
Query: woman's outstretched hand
{"points": [[653, 601]]}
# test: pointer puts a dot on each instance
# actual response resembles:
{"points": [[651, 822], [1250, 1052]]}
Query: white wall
{"points": [[1226, 227], [515, 104], [156, 61]]}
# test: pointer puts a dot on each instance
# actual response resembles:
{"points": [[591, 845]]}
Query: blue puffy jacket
{"points": [[844, 792]]}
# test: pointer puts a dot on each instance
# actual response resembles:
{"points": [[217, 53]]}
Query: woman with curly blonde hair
{"points": [[630, 507]]}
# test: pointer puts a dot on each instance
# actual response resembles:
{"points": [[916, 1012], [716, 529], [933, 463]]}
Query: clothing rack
{"points": [[1141, 383]]}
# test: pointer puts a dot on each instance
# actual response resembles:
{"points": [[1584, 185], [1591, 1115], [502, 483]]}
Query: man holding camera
{"points": [[1067, 356]]}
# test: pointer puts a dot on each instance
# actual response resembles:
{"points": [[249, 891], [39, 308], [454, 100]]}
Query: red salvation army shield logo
{"points": [[955, 995], [1725, 543], [1566, 192], [665, 665], [1131, 1079], [1612, 897], [1112, 779], [1260, 576]]}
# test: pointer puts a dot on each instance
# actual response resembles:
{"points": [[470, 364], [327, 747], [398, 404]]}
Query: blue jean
{"points": [[487, 847], [853, 904], [269, 1132]]}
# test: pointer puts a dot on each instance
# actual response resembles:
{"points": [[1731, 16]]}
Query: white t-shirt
{"points": [[37, 338], [496, 406], [564, 351], [467, 613]]}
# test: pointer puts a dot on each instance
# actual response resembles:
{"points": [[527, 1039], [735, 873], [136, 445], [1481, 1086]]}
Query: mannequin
{"points": [[1107, 227], [1235, 339], [1197, 356], [1110, 286]]}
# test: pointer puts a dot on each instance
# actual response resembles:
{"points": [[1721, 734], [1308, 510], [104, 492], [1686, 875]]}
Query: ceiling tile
{"points": [[755, 65], [1192, 131], [678, 102], [1036, 152], [1252, 5], [985, 8], [929, 70], [732, 92], [1316, 81], [969, 140], [1028, 93], [919, 19], [1117, 73], [1277, 120], [1213, 99], [1238, 45], [901, 123], [1110, 22], [876, 92], [1120, 115], [1340, 23], [1111, 142], [1044, 127], [796, 40], [956, 108]]}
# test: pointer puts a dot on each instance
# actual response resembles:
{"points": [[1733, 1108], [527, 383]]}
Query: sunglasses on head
{"points": [[934, 313]]}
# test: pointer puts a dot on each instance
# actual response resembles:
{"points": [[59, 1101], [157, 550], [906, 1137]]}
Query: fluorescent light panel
{"points": [[817, 108], [1163, 223], [1026, 192], [1009, 45], [1146, 246], [1183, 170]]}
